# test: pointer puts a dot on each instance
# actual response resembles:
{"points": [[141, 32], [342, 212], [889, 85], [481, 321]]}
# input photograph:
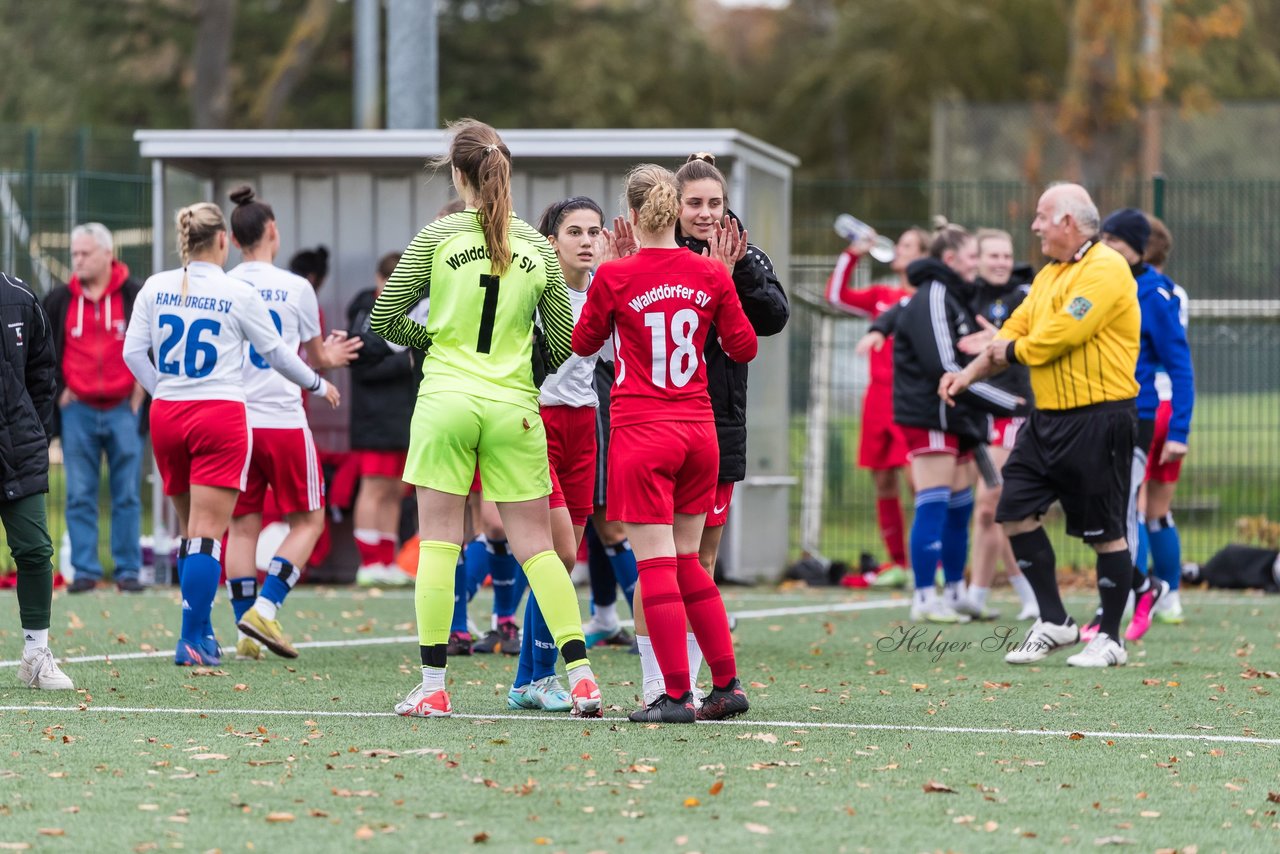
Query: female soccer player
{"points": [[487, 272], [704, 206], [568, 401], [881, 448], [284, 455], [940, 439], [197, 320], [998, 290], [658, 306]]}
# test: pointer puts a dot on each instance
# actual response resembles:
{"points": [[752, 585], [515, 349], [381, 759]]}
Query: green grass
{"points": [[124, 780]]}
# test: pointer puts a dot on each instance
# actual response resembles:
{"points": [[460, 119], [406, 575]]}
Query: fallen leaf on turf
{"points": [[758, 685], [15, 846], [990, 827], [1149, 814], [204, 756], [240, 686], [963, 819], [51, 831], [279, 817], [1232, 787], [934, 787], [918, 686], [682, 840], [148, 807], [692, 802], [890, 767], [718, 786], [541, 840], [1112, 840], [314, 813], [1273, 797], [347, 793], [752, 827], [480, 837], [766, 737], [365, 832], [1076, 736], [389, 754]]}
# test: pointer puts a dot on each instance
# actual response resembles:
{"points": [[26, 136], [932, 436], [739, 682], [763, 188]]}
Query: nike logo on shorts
{"points": [[716, 511]]}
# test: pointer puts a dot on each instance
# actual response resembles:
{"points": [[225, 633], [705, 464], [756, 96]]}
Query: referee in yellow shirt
{"points": [[1078, 332]]}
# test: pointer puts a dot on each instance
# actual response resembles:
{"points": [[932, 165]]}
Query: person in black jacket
{"points": [[28, 387], [384, 389], [703, 209], [940, 439]]}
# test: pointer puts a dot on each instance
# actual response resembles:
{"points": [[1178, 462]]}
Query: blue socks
{"points": [[1166, 550], [926, 533], [955, 535], [537, 647], [243, 592], [281, 578], [504, 570], [201, 572], [623, 562]]}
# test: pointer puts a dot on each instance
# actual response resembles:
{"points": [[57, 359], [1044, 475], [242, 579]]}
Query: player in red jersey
{"points": [[881, 448], [196, 321], [658, 306]]}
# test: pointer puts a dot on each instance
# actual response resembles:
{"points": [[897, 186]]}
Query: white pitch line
{"points": [[939, 730], [833, 607]]}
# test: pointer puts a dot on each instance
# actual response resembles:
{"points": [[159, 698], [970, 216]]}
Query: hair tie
{"points": [[490, 148]]}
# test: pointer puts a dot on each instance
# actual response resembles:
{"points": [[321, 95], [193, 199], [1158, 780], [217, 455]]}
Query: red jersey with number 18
{"points": [[658, 306]]}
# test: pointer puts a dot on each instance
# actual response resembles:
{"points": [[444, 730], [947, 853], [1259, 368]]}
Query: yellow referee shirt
{"points": [[1079, 330]]}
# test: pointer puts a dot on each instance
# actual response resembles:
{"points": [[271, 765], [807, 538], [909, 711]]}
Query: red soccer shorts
{"points": [[660, 468], [571, 453], [1004, 432], [201, 442], [1169, 472], [921, 442], [287, 461], [880, 444], [720, 509], [381, 463]]}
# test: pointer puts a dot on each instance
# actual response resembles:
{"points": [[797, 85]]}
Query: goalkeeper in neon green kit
{"points": [[486, 272]]}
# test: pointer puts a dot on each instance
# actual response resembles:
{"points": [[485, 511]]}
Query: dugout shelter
{"points": [[363, 193]]}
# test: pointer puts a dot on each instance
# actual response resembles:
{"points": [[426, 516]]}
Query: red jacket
{"points": [[870, 302], [93, 350]]}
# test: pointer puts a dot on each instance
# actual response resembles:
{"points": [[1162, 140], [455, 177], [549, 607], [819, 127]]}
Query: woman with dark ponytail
{"points": [[487, 272]]}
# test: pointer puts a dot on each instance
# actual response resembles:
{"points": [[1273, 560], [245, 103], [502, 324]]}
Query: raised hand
{"points": [[339, 350], [624, 236]]}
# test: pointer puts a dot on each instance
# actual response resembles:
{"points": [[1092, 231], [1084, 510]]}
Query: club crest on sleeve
{"points": [[1079, 308]]}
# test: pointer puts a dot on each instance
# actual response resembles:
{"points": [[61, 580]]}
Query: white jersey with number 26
{"points": [[271, 400], [198, 340]]}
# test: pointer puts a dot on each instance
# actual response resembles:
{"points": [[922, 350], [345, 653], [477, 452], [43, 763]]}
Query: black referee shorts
{"points": [[1080, 457]]}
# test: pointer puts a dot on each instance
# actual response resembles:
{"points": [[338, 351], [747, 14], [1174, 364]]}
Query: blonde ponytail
{"points": [[652, 192], [198, 227]]}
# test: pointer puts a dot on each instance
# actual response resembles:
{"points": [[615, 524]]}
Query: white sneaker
{"points": [[370, 574], [967, 607], [1030, 611], [935, 611], [422, 703], [1102, 651], [1041, 640], [39, 670], [394, 576]]}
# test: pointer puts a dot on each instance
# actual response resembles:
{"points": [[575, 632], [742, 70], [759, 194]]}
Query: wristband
{"points": [[1010, 355]]}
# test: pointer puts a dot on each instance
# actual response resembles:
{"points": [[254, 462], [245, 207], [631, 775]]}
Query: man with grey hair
{"points": [[98, 407], [1078, 331]]}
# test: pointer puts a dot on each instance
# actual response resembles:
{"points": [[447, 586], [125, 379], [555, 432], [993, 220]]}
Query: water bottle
{"points": [[65, 568], [853, 230], [147, 571]]}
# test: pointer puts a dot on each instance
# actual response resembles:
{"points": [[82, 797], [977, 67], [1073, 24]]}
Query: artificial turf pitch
{"points": [[857, 740]]}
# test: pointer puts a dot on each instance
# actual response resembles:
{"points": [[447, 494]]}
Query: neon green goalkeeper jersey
{"points": [[478, 332]]}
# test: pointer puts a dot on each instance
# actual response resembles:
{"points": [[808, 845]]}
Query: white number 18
{"points": [[684, 358]]}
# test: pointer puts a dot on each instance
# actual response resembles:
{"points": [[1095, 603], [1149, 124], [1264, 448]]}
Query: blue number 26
{"points": [[199, 357], [256, 360]]}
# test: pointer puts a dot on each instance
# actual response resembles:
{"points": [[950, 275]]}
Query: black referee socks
{"points": [[1115, 580], [1038, 563]]}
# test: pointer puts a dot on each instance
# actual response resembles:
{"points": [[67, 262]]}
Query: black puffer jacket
{"points": [[28, 387], [924, 348], [384, 384], [766, 306]]}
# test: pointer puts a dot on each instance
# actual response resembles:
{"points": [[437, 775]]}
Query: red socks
{"points": [[664, 612], [889, 512], [708, 619], [387, 550]]}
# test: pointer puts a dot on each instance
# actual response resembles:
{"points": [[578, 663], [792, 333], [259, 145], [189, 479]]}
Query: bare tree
{"points": [[211, 94], [291, 65]]}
